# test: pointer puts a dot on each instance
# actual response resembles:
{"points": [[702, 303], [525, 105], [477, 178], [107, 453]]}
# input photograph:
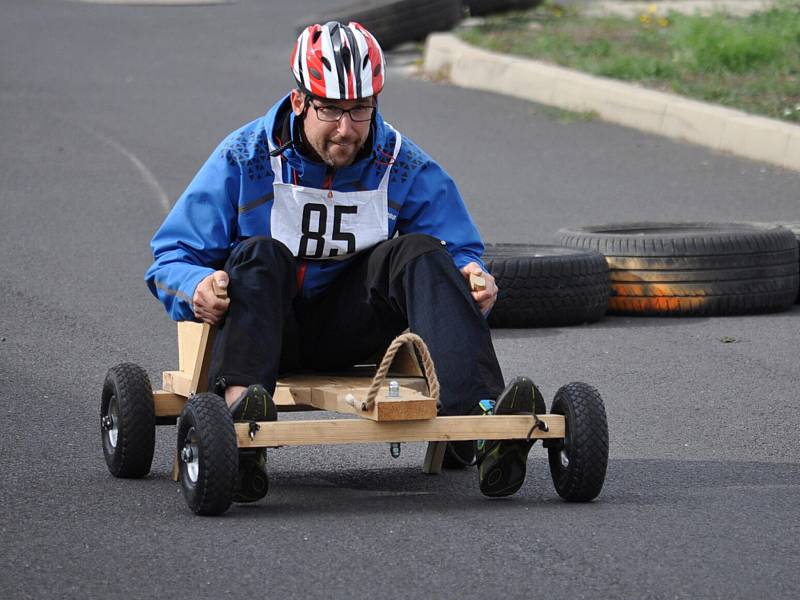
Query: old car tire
{"points": [[578, 462], [542, 286], [208, 455], [127, 421], [485, 7], [794, 227], [395, 22], [697, 269]]}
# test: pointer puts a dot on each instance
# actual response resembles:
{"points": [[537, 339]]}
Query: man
{"points": [[332, 234]]}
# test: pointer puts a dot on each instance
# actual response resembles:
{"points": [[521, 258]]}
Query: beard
{"points": [[338, 152]]}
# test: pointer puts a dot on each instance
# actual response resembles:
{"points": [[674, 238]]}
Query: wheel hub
{"points": [[190, 457], [110, 422]]}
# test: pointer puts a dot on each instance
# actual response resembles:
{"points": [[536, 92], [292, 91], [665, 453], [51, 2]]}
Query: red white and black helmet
{"points": [[338, 62]]}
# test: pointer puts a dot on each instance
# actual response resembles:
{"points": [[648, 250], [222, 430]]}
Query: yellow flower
{"points": [[663, 21], [652, 9], [644, 19]]}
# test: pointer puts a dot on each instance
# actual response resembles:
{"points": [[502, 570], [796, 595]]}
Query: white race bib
{"points": [[322, 224]]}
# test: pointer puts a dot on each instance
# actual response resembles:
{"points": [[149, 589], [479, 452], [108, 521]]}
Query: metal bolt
{"points": [[394, 389], [187, 455], [107, 423]]}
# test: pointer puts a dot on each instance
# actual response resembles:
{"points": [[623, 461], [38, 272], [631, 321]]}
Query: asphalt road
{"points": [[106, 112]]}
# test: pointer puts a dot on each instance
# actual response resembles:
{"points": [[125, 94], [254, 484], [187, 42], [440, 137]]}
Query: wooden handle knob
{"points": [[476, 283], [219, 292]]}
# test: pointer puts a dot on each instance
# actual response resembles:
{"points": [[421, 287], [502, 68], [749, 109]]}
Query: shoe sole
{"points": [[509, 459]]}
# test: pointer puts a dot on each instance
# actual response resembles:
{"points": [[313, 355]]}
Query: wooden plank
{"points": [[295, 393], [168, 404], [189, 335], [434, 457], [177, 382], [346, 399], [331, 392], [358, 431], [176, 467], [194, 355], [286, 395], [199, 372], [298, 383]]}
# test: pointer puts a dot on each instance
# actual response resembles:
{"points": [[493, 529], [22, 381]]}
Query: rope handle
{"points": [[383, 369]]}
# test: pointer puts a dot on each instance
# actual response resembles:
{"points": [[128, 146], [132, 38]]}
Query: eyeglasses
{"points": [[332, 114]]}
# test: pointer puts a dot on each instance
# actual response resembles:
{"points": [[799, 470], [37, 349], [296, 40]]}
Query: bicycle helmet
{"points": [[338, 62]]}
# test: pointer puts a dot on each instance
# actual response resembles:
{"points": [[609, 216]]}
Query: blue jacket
{"points": [[230, 200]]}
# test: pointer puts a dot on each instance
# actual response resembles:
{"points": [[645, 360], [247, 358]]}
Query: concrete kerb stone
{"points": [[696, 122], [157, 2], [632, 9], [793, 148], [661, 113]]}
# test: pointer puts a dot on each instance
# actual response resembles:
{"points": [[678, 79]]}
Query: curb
{"points": [[676, 117], [631, 8], [157, 2]]}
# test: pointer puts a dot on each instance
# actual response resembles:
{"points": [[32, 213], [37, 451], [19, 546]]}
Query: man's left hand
{"points": [[487, 297]]}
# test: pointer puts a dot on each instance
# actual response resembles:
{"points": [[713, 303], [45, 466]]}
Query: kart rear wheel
{"points": [[208, 455], [578, 462], [127, 421]]}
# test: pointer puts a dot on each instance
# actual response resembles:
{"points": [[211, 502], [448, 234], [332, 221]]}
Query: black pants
{"points": [[406, 282]]}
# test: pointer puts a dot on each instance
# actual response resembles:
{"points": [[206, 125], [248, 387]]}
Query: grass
{"points": [[751, 64]]}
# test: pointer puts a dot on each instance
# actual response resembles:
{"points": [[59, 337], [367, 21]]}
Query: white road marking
{"points": [[146, 174]]}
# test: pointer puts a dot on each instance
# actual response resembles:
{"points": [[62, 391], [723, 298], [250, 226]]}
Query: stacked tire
{"points": [[485, 7], [546, 286], [794, 227], [695, 269], [396, 21]]}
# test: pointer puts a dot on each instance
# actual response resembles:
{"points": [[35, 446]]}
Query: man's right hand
{"points": [[207, 306]]}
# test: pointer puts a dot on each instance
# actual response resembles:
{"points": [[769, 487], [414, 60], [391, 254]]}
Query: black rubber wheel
{"points": [[578, 462], [208, 455], [485, 7], [395, 22], [542, 286], [695, 269], [128, 421]]}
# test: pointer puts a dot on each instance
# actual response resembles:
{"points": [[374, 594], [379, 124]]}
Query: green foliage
{"points": [[748, 63], [718, 44]]}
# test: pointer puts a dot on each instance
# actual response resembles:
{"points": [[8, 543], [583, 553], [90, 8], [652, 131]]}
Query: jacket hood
{"points": [[304, 166]]}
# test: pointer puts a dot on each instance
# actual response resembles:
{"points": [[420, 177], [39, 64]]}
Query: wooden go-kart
{"points": [[395, 402]]}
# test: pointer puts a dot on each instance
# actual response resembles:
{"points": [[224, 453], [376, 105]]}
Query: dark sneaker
{"points": [[459, 455], [255, 404], [253, 483], [501, 463]]}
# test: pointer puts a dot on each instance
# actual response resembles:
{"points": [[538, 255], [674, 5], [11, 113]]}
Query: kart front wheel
{"points": [[578, 462], [208, 455]]}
